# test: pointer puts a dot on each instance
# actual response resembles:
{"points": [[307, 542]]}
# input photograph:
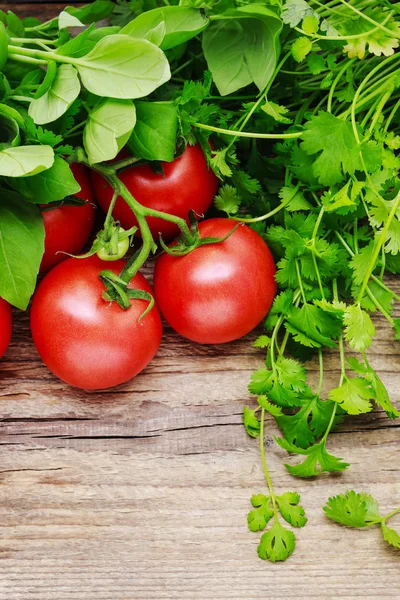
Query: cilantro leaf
{"points": [[290, 510], [297, 199], [261, 382], [301, 47], [390, 535], [312, 327], [263, 341], [273, 410], [277, 544], [295, 11], [291, 374], [334, 139], [318, 460], [258, 518], [359, 329], [250, 422], [228, 200], [352, 509], [276, 111], [353, 396]]}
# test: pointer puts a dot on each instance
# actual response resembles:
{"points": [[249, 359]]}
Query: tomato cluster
{"points": [[213, 294]]}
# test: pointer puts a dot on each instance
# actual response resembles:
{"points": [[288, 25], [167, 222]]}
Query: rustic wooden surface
{"points": [[142, 493]]}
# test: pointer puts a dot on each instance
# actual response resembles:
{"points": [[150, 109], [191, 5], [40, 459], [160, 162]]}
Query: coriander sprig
{"points": [[359, 510], [278, 542]]}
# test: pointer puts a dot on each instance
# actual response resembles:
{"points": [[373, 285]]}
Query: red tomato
{"points": [[67, 228], [84, 340], [5, 325], [187, 184], [218, 292]]}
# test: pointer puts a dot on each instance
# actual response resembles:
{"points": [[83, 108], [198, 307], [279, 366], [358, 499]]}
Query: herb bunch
{"points": [[302, 100]]}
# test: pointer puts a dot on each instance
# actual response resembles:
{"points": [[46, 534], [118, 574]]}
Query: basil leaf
{"points": [[243, 48], [123, 67], [9, 132], [63, 91], [21, 248], [181, 24], [154, 136], [65, 19], [25, 160], [49, 186], [108, 128], [91, 13], [14, 23], [3, 46]]}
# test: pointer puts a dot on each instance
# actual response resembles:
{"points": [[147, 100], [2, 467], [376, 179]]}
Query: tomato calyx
{"points": [[116, 290], [183, 246]]}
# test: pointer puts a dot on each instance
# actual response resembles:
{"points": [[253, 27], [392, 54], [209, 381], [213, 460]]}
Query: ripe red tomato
{"points": [[218, 292], [187, 183], [5, 325], [84, 340], [67, 228]]}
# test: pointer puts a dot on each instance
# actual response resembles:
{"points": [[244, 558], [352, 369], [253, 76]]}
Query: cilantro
{"points": [[334, 138], [359, 330], [277, 544], [228, 200], [354, 396], [301, 47], [251, 423], [318, 460], [360, 510]]}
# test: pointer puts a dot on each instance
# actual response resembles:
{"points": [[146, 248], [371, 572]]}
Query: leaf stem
{"points": [[378, 246], [245, 134], [264, 464]]}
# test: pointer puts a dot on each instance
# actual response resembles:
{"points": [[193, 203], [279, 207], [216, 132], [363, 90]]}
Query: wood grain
{"points": [[142, 493]]}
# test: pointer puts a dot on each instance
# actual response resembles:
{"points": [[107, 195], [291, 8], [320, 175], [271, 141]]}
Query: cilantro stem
{"points": [[314, 258], [336, 81], [379, 109], [245, 134], [376, 279], [321, 371], [388, 32], [391, 514], [264, 464], [272, 212], [379, 306], [378, 246], [391, 116], [300, 281]]}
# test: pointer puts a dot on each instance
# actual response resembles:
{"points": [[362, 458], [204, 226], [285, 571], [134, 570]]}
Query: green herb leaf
{"points": [[390, 535], [21, 248], [123, 67], [290, 510], [353, 396], [258, 518], [181, 24], [49, 186], [334, 138], [251, 423], [154, 135], [359, 330], [108, 128], [25, 160], [277, 544], [352, 509], [233, 48], [54, 103]]}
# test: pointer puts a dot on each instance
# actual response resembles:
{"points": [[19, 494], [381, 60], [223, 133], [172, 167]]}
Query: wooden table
{"points": [[142, 492]]}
